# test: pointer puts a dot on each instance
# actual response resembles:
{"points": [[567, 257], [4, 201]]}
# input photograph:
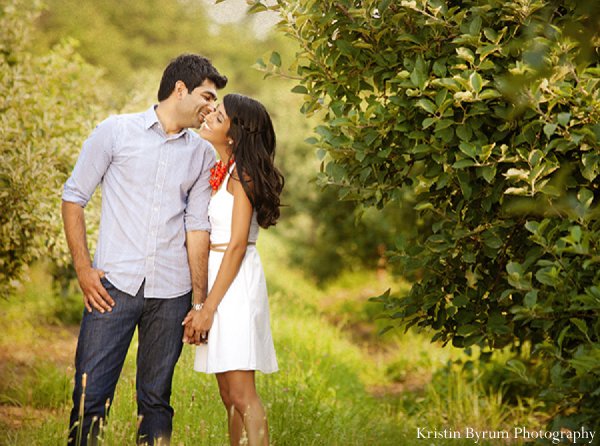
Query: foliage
{"points": [[490, 112], [46, 107], [125, 36], [343, 236], [128, 38]]}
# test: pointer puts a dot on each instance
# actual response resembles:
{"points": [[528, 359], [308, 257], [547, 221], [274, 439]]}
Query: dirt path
{"points": [[346, 309]]}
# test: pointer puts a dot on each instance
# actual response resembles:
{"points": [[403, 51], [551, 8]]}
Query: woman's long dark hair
{"points": [[254, 151]]}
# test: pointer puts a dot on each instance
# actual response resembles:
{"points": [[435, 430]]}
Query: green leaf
{"points": [[345, 47], [468, 149], [439, 67], [475, 81], [491, 240], [427, 105], [575, 233], [517, 366], [488, 173], [460, 300], [464, 132], [466, 54], [585, 197], [563, 118], [581, 325], [534, 157], [517, 174], [275, 59], [474, 339], [532, 226], [423, 206], [562, 335], [419, 75], [461, 164], [517, 191], [428, 122], [465, 185], [517, 277], [490, 34], [255, 8], [300, 89], [590, 166], [490, 93], [549, 129], [547, 276], [466, 329], [486, 51], [443, 124], [475, 26], [530, 298]]}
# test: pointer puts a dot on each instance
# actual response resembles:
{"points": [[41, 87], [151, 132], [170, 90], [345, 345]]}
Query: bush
{"points": [[490, 112], [48, 106]]}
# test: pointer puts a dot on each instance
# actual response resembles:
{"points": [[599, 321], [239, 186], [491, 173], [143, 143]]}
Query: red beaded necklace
{"points": [[217, 173]]}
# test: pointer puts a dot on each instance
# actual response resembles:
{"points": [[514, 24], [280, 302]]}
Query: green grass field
{"points": [[339, 382]]}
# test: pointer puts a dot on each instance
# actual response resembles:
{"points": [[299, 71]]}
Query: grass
{"points": [[338, 384]]}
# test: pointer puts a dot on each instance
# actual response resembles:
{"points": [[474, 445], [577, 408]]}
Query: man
{"points": [[153, 244]]}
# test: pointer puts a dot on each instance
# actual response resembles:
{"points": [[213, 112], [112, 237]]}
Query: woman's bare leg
{"points": [[235, 422], [242, 394]]}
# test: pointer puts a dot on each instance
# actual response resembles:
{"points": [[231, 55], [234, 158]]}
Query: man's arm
{"points": [[94, 294], [92, 163], [197, 243]]}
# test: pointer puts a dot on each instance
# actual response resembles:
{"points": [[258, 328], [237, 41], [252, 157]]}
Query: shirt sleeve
{"points": [[93, 161], [196, 211]]}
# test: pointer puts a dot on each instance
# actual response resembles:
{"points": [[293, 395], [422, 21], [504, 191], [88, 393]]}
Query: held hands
{"points": [[197, 325], [94, 294]]}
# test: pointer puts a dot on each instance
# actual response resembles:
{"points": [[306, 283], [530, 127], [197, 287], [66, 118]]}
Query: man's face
{"points": [[196, 104]]}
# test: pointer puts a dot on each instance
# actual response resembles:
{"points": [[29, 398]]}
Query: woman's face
{"points": [[215, 127]]}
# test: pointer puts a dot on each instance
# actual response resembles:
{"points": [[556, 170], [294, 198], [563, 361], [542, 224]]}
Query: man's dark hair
{"points": [[192, 70]]}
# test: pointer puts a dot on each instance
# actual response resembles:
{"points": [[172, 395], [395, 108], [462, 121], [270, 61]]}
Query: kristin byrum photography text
{"points": [[580, 436]]}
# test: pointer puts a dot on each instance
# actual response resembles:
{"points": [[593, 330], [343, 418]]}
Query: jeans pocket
{"points": [[105, 283]]}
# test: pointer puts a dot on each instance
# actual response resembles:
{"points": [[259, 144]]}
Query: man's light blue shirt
{"points": [[154, 188]]}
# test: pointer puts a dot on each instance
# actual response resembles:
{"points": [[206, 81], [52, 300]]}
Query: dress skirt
{"points": [[240, 337]]}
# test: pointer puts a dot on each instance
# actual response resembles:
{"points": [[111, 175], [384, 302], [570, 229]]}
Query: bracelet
{"points": [[198, 307]]}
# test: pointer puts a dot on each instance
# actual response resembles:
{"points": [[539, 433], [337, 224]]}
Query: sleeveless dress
{"points": [[240, 337]]}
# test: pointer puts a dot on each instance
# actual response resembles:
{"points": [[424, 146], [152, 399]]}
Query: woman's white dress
{"points": [[240, 337]]}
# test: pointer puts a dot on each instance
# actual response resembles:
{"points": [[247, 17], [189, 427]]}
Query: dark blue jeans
{"points": [[104, 339]]}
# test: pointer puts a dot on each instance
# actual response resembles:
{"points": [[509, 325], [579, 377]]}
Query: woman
{"points": [[246, 188]]}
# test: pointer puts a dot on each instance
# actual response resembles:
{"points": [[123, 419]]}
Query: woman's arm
{"points": [[202, 320]]}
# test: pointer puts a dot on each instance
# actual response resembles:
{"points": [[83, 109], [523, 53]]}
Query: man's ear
{"points": [[180, 89]]}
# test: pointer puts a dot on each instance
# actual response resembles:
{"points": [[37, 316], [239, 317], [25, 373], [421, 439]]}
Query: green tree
{"points": [[47, 106], [490, 112], [125, 36]]}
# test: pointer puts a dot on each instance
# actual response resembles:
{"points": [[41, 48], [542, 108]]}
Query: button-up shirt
{"points": [[154, 188]]}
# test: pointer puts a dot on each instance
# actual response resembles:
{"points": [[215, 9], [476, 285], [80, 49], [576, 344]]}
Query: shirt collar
{"points": [[151, 119]]}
